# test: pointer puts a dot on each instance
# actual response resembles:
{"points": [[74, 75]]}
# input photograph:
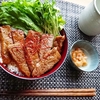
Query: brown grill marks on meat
{"points": [[17, 52], [58, 42], [17, 35], [51, 58], [6, 39], [45, 44], [31, 48]]}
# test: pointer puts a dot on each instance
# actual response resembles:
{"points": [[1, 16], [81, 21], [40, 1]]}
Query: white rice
{"points": [[1, 60], [12, 68]]}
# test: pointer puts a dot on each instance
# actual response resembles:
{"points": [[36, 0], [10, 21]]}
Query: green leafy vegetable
{"points": [[32, 14]]}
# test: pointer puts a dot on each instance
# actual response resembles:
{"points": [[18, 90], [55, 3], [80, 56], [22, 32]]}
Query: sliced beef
{"points": [[17, 35], [17, 52], [31, 48], [6, 39], [46, 44], [50, 59], [58, 42]]}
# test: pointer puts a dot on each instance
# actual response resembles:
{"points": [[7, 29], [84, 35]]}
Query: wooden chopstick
{"points": [[60, 90], [53, 92]]}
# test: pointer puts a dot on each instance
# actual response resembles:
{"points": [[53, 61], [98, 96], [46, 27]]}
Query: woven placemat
{"points": [[66, 76]]}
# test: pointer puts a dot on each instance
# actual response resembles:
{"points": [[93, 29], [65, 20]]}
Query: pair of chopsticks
{"points": [[53, 92]]}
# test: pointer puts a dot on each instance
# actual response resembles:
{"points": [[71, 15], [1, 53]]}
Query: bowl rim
{"points": [[85, 41], [62, 32]]}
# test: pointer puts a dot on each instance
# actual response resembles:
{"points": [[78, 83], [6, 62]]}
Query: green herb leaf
{"points": [[32, 15]]}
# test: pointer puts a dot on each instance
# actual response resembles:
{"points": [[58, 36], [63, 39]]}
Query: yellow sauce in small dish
{"points": [[79, 57]]}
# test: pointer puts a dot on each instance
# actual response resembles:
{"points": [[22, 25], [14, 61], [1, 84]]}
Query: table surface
{"points": [[66, 76], [80, 2]]}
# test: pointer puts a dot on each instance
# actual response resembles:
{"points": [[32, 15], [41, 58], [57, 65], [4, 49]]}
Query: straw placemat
{"points": [[66, 76]]}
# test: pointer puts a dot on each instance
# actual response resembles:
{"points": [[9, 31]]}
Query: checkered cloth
{"points": [[66, 76]]}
